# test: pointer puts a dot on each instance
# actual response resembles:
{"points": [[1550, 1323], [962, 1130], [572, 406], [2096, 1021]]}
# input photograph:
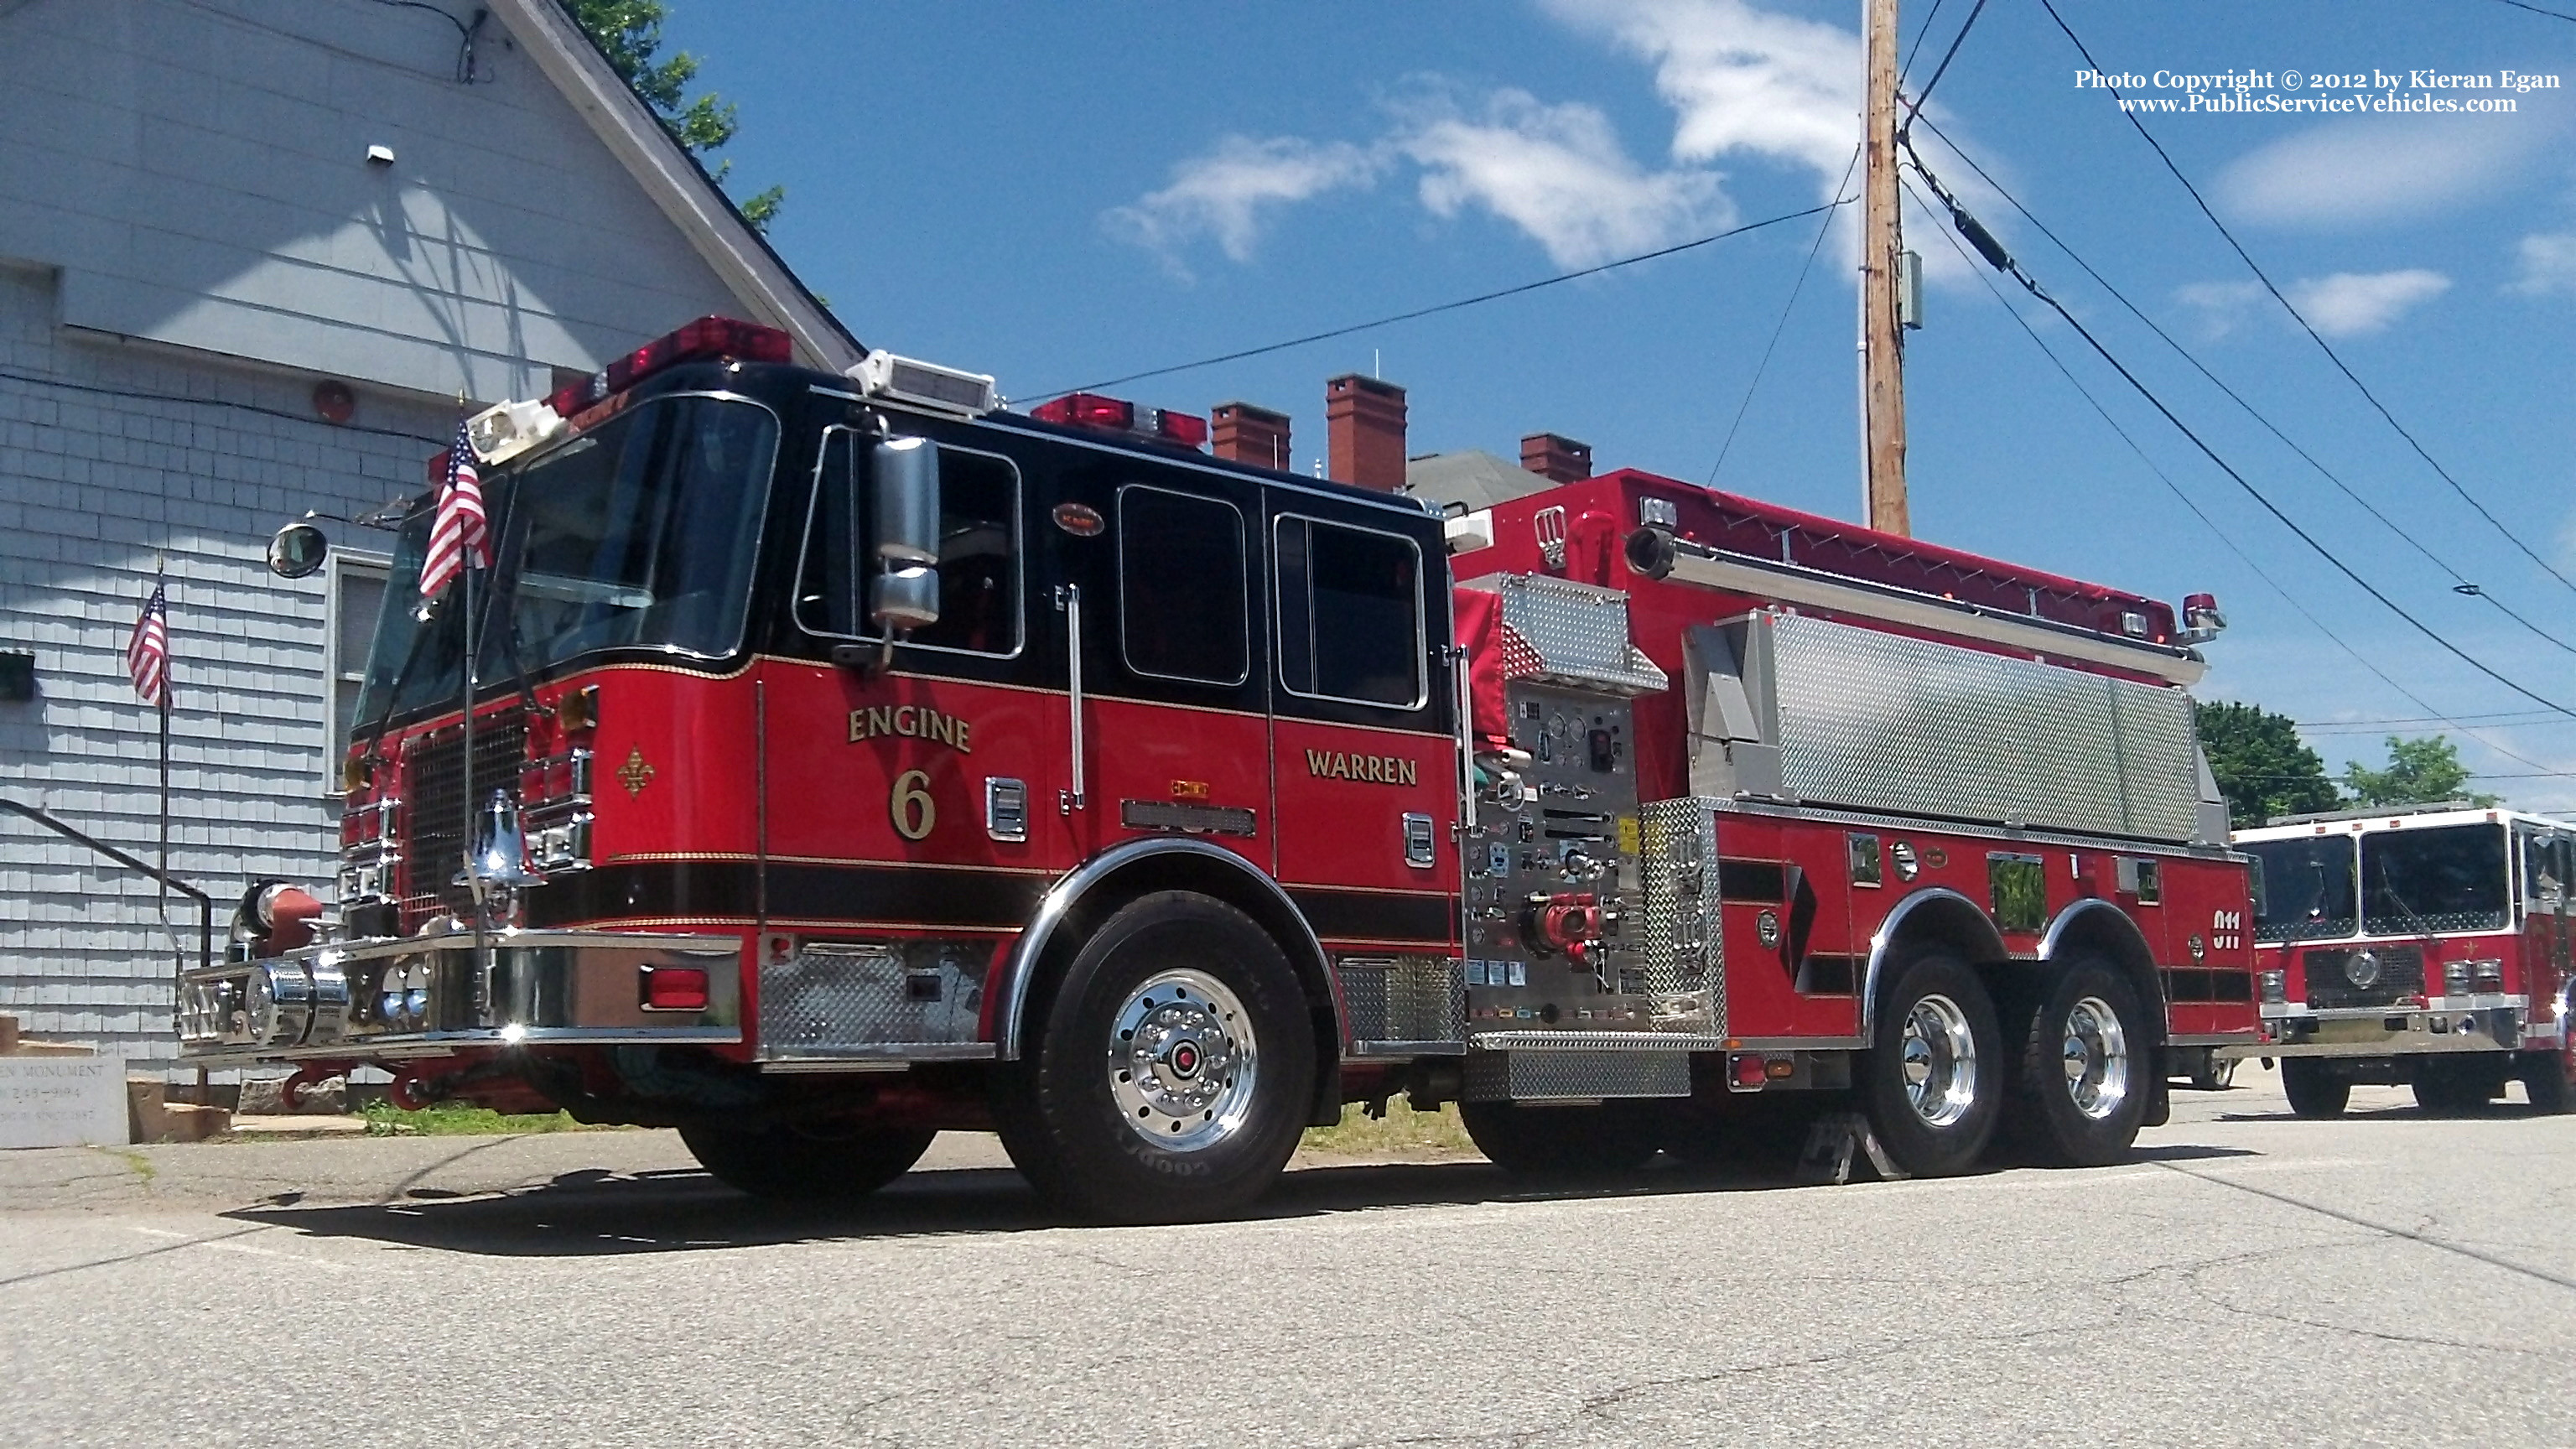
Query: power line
{"points": [[2224, 538], [2536, 10], [1920, 34], [2313, 335], [2526, 715], [1943, 68], [1782, 325], [2460, 583], [1984, 242], [1421, 312]]}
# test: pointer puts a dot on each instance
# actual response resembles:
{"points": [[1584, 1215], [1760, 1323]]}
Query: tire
{"points": [[2446, 1088], [2081, 1086], [2545, 1078], [1599, 1140], [1170, 1076], [1932, 1080], [2213, 1073], [822, 1163], [2313, 1091]]}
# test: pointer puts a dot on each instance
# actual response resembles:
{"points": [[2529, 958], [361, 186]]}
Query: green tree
{"points": [[2263, 768], [629, 33], [2422, 771]]}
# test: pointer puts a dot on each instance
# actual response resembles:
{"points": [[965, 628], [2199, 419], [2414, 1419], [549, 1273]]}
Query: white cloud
{"points": [[2345, 304], [2220, 306], [2548, 264], [1559, 174], [1741, 80], [2382, 169], [2349, 304], [1224, 193]]}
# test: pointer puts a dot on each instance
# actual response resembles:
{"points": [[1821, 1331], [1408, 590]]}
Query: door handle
{"points": [[1068, 597]]}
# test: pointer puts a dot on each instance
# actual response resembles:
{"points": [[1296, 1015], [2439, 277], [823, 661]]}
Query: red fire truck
{"points": [[851, 759], [2425, 945]]}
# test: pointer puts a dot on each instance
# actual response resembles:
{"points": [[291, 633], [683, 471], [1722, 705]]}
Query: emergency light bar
{"points": [[1114, 415], [707, 337], [925, 384]]}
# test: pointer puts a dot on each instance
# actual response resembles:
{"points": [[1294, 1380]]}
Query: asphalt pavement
{"points": [[2250, 1278]]}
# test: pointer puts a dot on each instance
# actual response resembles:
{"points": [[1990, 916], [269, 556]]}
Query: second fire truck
{"points": [[851, 759], [2419, 946]]}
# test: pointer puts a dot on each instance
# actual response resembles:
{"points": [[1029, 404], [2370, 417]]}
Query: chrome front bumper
{"points": [[430, 995], [2464, 1024]]}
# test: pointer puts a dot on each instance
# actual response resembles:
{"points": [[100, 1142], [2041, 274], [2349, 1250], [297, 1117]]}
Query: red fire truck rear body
{"points": [[853, 760], [2425, 946]]}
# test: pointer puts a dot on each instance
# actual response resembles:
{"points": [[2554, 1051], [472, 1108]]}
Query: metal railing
{"points": [[205, 903]]}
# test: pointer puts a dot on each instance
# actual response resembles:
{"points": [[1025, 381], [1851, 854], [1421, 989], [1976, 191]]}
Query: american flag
{"points": [[456, 537], [147, 654]]}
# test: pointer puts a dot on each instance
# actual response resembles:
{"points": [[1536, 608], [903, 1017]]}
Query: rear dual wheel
{"points": [[1931, 1080], [2082, 1087], [1171, 1075], [1530, 1139]]}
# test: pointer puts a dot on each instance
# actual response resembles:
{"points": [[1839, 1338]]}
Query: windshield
{"points": [[2307, 887], [638, 535], [2449, 878]]}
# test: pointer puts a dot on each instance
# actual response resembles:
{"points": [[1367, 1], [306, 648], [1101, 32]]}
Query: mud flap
{"points": [[2159, 1091], [1841, 1144]]}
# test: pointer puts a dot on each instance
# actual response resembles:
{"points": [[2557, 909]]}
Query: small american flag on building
{"points": [[147, 654], [456, 537]]}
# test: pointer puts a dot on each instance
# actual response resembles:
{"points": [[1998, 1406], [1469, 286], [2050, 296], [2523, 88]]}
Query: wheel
{"points": [[2081, 1091], [2212, 1072], [2313, 1091], [2545, 1078], [1932, 1078], [1169, 1078], [2455, 1088], [1534, 1140], [822, 1162]]}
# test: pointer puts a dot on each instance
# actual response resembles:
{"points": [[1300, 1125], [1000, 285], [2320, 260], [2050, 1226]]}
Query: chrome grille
{"points": [[433, 829], [2396, 972]]}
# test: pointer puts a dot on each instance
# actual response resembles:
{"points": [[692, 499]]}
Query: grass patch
{"points": [[1402, 1132], [457, 1119], [140, 1165]]}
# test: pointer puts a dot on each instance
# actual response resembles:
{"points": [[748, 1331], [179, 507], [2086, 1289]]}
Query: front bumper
{"points": [[432, 995], [2450, 1026]]}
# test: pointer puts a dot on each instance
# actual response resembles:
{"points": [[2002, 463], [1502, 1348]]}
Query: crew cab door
{"points": [[1168, 723]]}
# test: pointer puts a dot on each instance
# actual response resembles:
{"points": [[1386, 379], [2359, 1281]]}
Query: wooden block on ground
{"points": [[8, 1035]]}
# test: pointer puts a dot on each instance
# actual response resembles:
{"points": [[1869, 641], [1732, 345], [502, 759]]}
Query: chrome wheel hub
{"points": [[1182, 1058], [1938, 1056], [2096, 1053]]}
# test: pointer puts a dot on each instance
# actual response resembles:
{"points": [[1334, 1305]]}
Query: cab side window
{"points": [[979, 550], [1181, 586], [1350, 613]]}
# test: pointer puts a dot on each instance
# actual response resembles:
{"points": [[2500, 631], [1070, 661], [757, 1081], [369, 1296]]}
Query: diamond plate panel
{"points": [[1684, 949], [1575, 1076], [833, 1000], [1880, 721], [1573, 634], [1404, 998]]}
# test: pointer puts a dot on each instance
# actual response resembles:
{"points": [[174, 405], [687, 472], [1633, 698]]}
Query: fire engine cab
{"points": [[2424, 945], [852, 759]]}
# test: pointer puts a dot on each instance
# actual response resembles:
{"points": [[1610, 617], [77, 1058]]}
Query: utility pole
{"points": [[1882, 340]]}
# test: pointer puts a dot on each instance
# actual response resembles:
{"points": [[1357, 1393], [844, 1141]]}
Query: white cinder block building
{"points": [[251, 256]]}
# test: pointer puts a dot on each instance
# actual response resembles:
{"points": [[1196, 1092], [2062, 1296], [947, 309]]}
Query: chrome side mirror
{"points": [[297, 551], [905, 593]]}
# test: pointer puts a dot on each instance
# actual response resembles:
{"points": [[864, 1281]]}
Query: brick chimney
{"points": [[1248, 434], [1556, 458], [1364, 428]]}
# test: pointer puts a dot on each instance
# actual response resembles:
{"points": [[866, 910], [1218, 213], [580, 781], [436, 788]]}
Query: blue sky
{"points": [[1057, 194]]}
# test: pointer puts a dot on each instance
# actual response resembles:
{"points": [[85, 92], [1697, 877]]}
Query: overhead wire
{"points": [[2224, 538], [2460, 583], [1943, 68], [2536, 10], [1421, 312], [1977, 236], [2313, 335], [1759, 368]]}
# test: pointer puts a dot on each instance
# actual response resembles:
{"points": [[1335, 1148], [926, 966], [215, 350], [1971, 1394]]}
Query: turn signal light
{"points": [[1748, 1072], [675, 988]]}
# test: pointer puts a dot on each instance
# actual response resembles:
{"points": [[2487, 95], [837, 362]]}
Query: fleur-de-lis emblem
{"points": [[635, 774]]}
